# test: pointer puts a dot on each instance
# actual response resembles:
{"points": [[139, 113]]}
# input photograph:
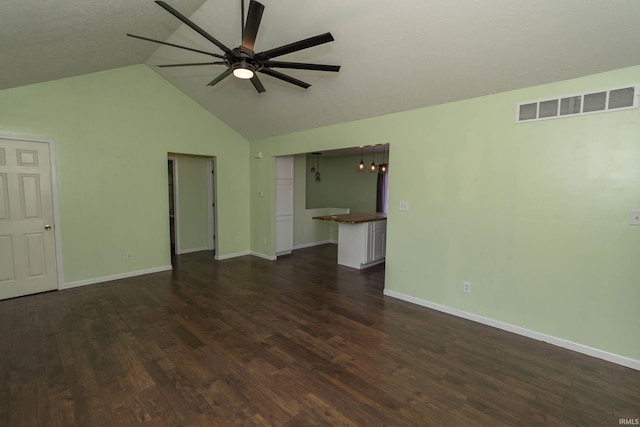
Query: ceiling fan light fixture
{"points": [[243, 70]]}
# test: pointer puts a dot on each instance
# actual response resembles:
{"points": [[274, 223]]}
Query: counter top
{"points": [[355, 218]]}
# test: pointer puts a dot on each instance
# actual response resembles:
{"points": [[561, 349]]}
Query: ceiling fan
{"points": [[242, 61]]}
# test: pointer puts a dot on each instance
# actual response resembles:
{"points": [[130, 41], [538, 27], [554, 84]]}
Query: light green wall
{"points": [[192, 203], [534, 215], [341, 185], [112, 133]]}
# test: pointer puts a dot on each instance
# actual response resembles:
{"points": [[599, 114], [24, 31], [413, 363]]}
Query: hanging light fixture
{"points": [[313, 163], [318, 168], [361, 166], [383, 166], [373, 167]]}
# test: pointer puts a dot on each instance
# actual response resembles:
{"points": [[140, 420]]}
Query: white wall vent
{"points": [[602, 101]]}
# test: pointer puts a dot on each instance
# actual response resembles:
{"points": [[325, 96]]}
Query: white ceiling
{"points": [[395, 56]]}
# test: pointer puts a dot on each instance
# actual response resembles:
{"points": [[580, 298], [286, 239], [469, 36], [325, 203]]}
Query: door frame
{"points": [[212, 224], [57, 232], [176, 205]]}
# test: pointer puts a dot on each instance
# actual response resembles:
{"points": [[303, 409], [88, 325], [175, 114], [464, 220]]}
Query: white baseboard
{"points": [[309, 245], [560, 342], [264, 256], [115, 277], [191, 250], [229, 256]]}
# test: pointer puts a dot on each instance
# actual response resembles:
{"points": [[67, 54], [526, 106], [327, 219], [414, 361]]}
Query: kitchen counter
{"points": [[362, 238], [355, 218]]}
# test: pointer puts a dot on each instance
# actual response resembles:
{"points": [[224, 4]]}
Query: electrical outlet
{"points": [[634, 218], [466, 287], [404, 205], [129, 255]]}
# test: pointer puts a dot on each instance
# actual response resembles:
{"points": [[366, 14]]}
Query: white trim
{"points": [[56, 213], [264, 256], [229, 256], [116, 277], [560, 342], [53, 175], [191, 250], [372, 263], [309, 245]]}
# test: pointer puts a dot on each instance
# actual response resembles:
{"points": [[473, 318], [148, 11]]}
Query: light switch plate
{"points": [[404, 205], [634, 218]]}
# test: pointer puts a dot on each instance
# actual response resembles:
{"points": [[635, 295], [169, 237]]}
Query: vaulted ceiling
{"points": [[395, 56]]}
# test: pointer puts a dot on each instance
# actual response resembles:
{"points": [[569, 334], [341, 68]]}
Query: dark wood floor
{"points": [[296, 342]]}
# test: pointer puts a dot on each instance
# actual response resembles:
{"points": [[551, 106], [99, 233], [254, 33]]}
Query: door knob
{"points": [[47, 227]]}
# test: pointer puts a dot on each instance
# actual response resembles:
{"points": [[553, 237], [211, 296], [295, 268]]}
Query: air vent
{"points": [[576, 105]]}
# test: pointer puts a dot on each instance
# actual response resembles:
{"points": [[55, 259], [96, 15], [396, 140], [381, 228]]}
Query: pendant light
{"points": [[383, 166], [318, 168], [313, 163], [361, 166], [373, 168]]}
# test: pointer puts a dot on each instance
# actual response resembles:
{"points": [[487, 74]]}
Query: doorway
{"points": [[192, 203], [172, 174], [211, 203]]}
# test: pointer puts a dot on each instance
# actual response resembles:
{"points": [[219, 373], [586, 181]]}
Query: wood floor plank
{"points": [[297, 342]]}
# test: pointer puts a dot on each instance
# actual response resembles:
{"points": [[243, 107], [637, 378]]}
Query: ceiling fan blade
{"points": [[193, 26], [301, 66], [254, 16], [175, 45], [220, 78], [288, 79], [296, 46], [191, 64], [257, 84]]}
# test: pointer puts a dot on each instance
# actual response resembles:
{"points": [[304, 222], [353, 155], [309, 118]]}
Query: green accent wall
{"points": [[112, 132], [341, 184], [306, 230], [534, 215]]}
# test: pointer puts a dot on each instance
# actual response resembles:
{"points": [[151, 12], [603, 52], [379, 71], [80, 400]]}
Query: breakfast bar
{"points": [[362, 238]]}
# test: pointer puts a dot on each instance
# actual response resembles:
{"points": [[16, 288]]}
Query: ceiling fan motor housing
{"points": [[241, 58]]}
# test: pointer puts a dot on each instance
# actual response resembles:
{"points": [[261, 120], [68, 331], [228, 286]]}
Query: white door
{"points": [[284, 205], [27, 242]]}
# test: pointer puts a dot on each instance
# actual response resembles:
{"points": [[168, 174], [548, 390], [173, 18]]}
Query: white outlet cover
{"points": [[634, 218], [404, 205], [466, 287]]}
